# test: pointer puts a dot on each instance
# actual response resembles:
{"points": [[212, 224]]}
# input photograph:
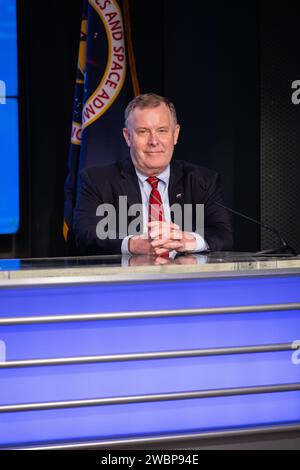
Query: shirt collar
{"points": [[164, 176]]}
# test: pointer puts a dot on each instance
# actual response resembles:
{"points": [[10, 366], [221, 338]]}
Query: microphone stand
{"points": [[284, 247]]}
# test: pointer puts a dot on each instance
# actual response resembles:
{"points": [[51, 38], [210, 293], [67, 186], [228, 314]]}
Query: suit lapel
{"points": [[176, 187], [129, 183]]}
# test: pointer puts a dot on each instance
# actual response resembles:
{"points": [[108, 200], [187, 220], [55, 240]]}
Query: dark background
{"points": [[228, 66]]}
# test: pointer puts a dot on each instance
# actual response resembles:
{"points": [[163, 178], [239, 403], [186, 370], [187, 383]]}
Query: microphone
{"points": [[284, 247]]}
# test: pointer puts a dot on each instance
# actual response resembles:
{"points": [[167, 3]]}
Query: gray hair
{"points": [[149, 100]]}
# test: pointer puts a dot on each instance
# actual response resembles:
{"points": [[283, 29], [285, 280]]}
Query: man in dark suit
{"points": [[151, 179]]}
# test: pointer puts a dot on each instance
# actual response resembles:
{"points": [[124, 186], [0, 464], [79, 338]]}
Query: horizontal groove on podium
{"points": [[162, 439], [179, 354], [9, 321], [229, 392]]}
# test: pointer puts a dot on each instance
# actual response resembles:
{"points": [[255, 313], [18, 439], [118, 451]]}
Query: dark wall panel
{"points": [[280, 121], [212, 73]]}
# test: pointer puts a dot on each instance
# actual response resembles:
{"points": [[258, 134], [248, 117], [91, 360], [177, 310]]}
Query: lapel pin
{"points": [[178, 196]]}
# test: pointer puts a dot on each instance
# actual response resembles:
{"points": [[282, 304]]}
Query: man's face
{"points": [[151, 135]]}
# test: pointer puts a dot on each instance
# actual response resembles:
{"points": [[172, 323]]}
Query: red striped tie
{"points": [[156, 210]]}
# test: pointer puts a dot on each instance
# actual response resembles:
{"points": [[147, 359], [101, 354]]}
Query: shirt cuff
{"points": [[201, 244], [125, 246]]}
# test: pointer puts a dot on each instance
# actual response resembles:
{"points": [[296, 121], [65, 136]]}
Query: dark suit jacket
{"points": [[194, 184]]}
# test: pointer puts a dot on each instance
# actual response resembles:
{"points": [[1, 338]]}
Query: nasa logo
{"points": [[296, 95], [2, 92]]}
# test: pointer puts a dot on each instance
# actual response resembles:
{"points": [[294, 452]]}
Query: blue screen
{"points": [[9, 151]]}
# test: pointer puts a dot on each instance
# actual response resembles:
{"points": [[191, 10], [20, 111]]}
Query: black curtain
{"points": [[203, 57]]}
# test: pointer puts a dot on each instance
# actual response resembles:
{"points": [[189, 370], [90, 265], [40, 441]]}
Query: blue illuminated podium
{"points": [[93, 354]]}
